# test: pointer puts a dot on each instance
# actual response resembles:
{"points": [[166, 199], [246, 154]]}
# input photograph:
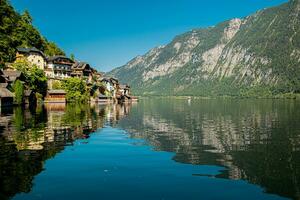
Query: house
{"points": [[103, 99], [56, 96], [82, 70], [97, 74], [13, 75], [32, 55], [112, 85], [59, 67], [6, 97], [124, 90]]}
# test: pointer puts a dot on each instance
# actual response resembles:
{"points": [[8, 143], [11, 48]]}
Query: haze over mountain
{"points": [[256, 55]]}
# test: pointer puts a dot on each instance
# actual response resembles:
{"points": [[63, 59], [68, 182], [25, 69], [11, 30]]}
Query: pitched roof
{"points": [[3, 85], [12, 75], [114, 79], [124, 86], [5, 93], [28, 50], [57, 92], [109, 79], [80, 65], [104, 79], [53, 58]]}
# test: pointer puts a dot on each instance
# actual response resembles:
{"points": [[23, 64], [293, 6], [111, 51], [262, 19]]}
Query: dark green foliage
{"points": [[52, 49], [16, 30]]}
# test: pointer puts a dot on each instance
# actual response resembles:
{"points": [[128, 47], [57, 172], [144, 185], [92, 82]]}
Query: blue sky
{"points": [[109, 33]]}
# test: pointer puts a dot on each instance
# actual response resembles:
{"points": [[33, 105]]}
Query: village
{"points": [[101, 89]]}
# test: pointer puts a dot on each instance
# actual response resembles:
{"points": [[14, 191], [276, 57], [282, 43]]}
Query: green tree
{"points": [[76, 89], [17, 30], [26, 17], [72, 56], [19, 92], [52, 49], [35, 77], [37, 80]]}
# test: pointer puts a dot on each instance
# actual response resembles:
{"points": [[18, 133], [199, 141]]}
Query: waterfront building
{"points": [[59, 67], [33, 56], [125, 90], [56, 96], [82, 70], [6, 97], [103, 99], [112, 86]]}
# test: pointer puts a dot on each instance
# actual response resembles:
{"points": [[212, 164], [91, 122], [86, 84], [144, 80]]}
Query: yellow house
{"points": [[32, 55]]}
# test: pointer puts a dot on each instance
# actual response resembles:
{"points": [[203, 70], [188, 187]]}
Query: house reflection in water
{"points": [[29, 137]]}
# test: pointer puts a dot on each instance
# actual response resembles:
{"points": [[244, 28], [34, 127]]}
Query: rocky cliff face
{"points": [[259, 54]]}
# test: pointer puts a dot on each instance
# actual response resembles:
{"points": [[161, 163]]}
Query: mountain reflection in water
{"points": [[254, 140]]}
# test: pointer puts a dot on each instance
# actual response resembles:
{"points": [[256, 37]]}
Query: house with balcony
{"points": [[82, 70], [59, 67]]}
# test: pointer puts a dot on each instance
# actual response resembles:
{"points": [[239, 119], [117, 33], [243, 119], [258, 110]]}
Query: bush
{"points": [[56, 85]]}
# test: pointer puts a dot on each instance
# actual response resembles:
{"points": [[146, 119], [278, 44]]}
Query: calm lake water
{"points": [[155, 149]]}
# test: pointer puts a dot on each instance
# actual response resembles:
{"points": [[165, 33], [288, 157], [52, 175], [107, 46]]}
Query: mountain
{"points": [[257, 55], [16, 30]]}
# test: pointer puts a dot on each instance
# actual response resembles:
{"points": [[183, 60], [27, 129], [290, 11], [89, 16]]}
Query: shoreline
{"points": [[283, 96]]}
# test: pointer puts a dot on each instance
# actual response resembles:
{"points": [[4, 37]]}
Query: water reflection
{"points": [[29, 137], [256, 140]]}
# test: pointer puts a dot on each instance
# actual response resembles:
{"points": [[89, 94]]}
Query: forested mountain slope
{"points": [[16, 30], [257, 55]]}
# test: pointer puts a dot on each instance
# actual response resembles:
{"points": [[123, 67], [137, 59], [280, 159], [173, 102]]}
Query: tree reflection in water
{"points": [[255, 140], [30, 137]]}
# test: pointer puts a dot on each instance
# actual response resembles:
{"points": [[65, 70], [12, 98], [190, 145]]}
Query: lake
{"points": [[159, 148]]}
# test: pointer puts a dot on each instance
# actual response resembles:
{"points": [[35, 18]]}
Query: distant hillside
{"points": [[17, 30], [257, 55]]}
